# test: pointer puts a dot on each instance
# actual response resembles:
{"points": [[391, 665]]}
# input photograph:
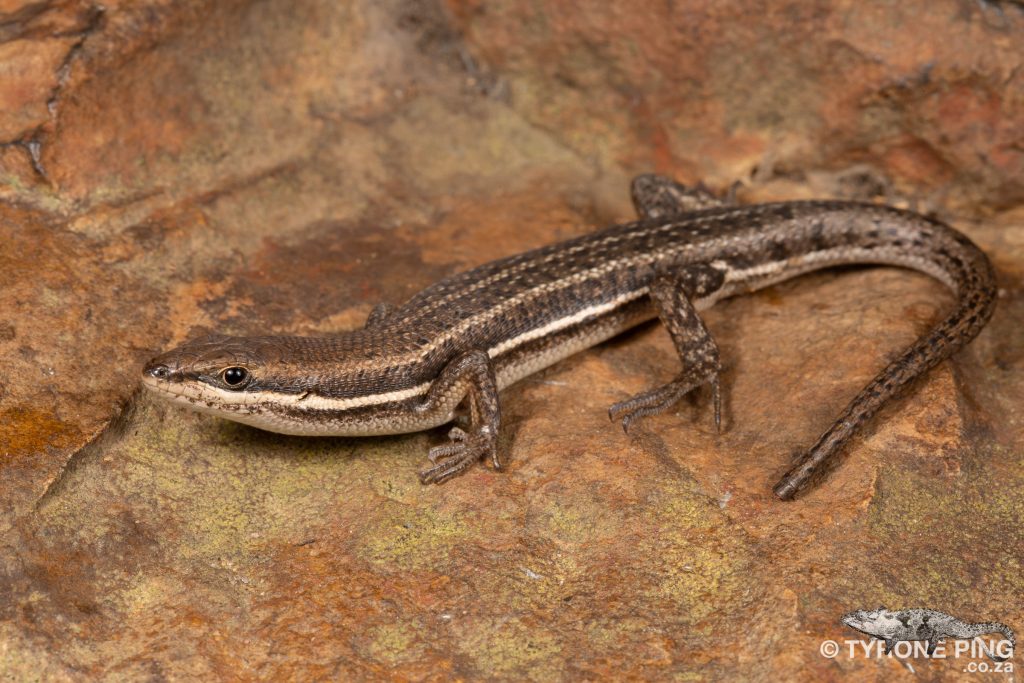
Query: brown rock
{"points": [[249, 167]]}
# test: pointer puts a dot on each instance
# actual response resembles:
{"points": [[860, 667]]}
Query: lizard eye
{"points": [[235, 377]]}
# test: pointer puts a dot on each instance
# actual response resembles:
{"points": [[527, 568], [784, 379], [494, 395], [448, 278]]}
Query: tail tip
{"points": [[785, 489]]}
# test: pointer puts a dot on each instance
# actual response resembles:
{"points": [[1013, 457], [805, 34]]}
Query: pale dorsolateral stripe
{"points": [[762, 275]]}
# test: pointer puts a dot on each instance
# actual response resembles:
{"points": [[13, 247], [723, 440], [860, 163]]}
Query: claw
{"points": [[617, 409], [456, 456], [632, 410], [661, 399], [438, 475], [441, 452]]}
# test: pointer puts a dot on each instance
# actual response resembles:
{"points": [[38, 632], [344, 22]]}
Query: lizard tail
{"points": [[955, 261], [976, 630]]}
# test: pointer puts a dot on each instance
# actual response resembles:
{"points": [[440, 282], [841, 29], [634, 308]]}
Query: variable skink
{"points": [[459, 342]]}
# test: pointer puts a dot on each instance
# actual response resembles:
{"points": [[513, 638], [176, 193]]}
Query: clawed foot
{"points": [[661, 399], [463, 450]]}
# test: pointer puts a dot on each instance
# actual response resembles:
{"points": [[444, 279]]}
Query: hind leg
{"points": [[672, 294], [656, 196]]}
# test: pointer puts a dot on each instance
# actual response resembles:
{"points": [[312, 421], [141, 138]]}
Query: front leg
{"points": [[673, 294], [470, 376]]}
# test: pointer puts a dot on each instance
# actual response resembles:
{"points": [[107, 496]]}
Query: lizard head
{"points": [[215, 368], [289, 385], [871, 622]]}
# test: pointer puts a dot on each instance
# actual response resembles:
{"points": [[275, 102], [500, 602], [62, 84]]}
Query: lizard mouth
{"points": [[853, 622]]}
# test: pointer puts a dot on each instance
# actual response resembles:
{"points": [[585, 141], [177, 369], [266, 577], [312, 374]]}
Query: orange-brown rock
{"points": [[173, 168]]}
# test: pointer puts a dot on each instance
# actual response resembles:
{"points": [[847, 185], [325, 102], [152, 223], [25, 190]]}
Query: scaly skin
{"points": [[471, 335]]}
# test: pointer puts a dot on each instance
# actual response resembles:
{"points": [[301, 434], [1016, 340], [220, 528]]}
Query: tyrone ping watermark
{"points": [[974, 649]]}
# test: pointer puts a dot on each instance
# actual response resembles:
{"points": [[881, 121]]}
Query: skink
{"points": [[462, 340]]}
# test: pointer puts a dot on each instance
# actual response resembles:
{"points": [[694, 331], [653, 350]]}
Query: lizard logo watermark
{"points": [[916, 632]]}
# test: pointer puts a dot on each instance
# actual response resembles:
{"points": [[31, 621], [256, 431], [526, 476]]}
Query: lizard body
{"points": [[465, 338]]}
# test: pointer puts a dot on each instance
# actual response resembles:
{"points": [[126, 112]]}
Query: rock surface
{"points": [[173, 168]]}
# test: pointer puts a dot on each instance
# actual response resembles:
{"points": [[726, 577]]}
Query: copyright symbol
{"points": [[829, 649]]}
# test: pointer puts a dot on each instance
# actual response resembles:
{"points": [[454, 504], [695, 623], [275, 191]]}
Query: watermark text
{"points": [[912, 649]]}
